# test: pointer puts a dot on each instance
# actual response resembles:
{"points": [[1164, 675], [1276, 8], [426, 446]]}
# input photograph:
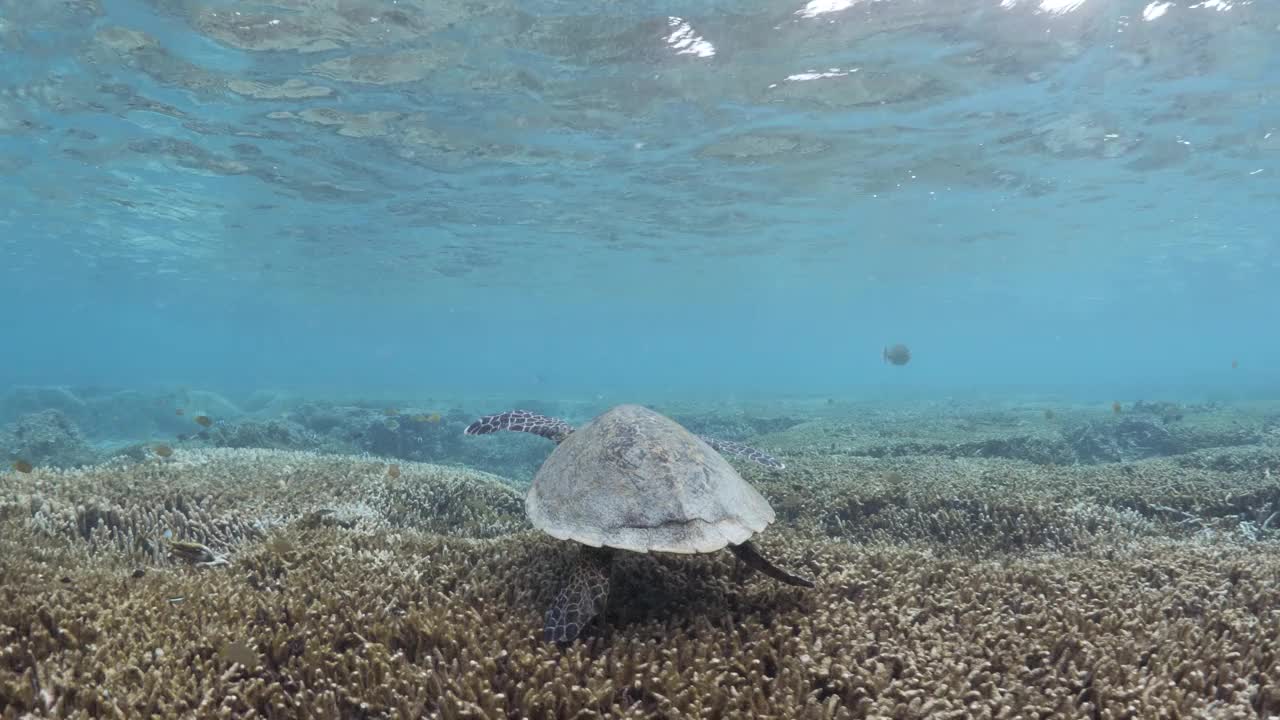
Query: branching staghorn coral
{"points": [[406, 625], [220, 497], [977, 505], [394, 610]]}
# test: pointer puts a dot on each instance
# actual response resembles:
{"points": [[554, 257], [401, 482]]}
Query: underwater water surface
{"points": [[737, 196], [980, 296]]}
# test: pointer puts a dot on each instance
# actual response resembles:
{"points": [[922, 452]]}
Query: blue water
{"points": [[527, 197]]}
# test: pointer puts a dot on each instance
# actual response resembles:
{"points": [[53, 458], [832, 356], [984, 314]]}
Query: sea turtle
{"points": [[632, 479]]}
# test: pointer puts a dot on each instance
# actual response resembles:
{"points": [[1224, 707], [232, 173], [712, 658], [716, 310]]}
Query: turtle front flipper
{"points": [[737, 449], [553, 429], [582, 598], [749, 555]]}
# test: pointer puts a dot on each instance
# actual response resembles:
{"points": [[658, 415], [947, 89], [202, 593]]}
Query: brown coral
{"points": [[384, 619]]}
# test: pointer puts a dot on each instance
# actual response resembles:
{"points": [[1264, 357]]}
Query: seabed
{"points": [[979, 562]]}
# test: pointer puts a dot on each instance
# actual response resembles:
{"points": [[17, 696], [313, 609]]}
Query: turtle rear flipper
{"points": [[553, 429], [582, 598], [751, 557]]}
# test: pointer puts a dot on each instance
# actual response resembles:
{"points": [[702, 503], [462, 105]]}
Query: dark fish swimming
{"points": [[897, 354]]}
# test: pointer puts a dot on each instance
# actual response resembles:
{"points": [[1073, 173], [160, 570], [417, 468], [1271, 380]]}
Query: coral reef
{"points": [[1151, 430], [734, 426], [24, 400], [976, 505], [114, 414], [279, 421], [349, 593], [421, 435], [1064, 436], [1132, 438], [47, 437], [274, 434], [222, 497]]}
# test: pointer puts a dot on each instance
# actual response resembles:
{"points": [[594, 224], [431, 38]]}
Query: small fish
{"points": [[163, 451], [393, 471], [179, 411], [1235, 364], [1115, 407], [194, 553], [433, 418], [897, 354], [204, 420], [1048, 414], [22, 466], [894, 477]]}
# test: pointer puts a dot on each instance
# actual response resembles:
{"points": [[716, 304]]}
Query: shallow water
{"points": [[522, 196], [342, 232]]}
